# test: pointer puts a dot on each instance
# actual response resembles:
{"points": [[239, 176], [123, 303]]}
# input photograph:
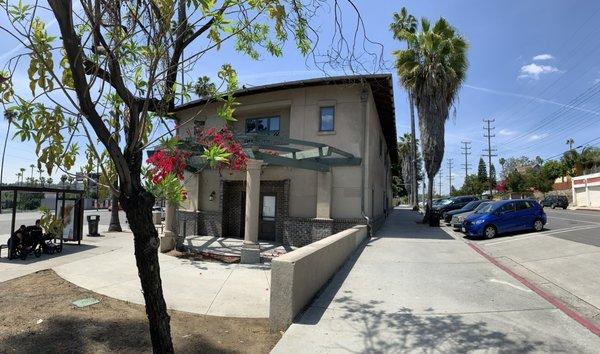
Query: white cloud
{"points": [[506, 132], [533, 71], [543, 57], [534, 137]]}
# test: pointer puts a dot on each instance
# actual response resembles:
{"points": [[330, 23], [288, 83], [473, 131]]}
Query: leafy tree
{"points": [[432, 68], [124, 57], [482, 171], [472, 186], [553, 170], [516, 182], [513, 163], [493, 175]]}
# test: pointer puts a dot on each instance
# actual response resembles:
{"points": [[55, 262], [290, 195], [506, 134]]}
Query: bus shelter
{"points": [[67, 204]]}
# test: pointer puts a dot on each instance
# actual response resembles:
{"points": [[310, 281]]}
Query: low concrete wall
{"points": [[297, 276]]}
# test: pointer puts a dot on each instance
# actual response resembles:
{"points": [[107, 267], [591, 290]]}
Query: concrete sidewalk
{"points": [[413, 288], [106, 265]]}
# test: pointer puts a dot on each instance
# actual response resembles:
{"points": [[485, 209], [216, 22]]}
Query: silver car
{"points": [[457, 219]]}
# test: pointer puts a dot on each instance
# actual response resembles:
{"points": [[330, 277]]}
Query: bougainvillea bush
{"points": [[210, 148]]}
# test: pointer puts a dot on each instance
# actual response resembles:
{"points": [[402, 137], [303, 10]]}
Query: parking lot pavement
{"points": [[564, 259]]}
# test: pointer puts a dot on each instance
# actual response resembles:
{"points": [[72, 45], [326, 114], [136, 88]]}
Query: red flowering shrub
{"points": [[223, 139], [501, 187], [221, 150], [165, 161]]}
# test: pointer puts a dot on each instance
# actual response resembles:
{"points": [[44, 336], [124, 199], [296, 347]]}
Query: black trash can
{"points": [[93, 221], [434, 218]]}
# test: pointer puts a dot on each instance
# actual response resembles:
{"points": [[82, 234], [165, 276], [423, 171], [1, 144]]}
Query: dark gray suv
{"points": [[555, 201]]}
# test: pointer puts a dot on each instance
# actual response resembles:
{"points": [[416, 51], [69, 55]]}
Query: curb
{"points": [[546, 296]]}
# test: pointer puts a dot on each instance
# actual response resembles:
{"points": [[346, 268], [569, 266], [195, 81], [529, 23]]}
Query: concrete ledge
{"points": [[298, 275]]}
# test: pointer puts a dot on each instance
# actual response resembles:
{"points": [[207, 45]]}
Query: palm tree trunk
{"points": [[413, 153]]}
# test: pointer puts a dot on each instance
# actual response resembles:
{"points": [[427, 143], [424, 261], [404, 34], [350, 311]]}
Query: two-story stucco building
{"points": [[335, 140]]}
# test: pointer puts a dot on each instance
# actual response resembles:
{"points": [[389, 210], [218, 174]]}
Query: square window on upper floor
{"points": [[327, 119]]}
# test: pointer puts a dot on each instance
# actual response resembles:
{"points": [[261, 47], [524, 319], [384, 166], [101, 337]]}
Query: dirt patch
{"points": [[111, 325]]}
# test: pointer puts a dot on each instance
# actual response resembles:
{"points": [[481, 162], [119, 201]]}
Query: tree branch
{"points": [[62, 10]]}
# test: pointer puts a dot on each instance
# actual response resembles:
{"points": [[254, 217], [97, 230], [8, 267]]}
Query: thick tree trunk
{"points": [[429, 203], [138, 209]]}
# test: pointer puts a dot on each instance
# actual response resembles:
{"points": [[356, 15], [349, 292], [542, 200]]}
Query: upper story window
{"points": [[327, 119], [265, 125]]}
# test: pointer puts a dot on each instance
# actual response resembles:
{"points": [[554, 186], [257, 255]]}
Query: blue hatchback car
{"points": [[505, 216]]}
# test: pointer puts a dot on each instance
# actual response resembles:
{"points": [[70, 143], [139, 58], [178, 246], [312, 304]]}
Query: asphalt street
{"points": [[29, 218]]}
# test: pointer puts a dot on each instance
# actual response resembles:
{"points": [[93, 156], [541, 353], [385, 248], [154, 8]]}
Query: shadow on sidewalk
{"points": [[405, 224], [403, 331]]}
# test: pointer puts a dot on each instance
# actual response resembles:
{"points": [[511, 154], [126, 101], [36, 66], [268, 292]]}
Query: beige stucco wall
{"points": [[299, 112]]}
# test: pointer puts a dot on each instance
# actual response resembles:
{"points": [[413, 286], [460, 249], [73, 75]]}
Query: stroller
{"points": [[49, 246], [30, 243]]}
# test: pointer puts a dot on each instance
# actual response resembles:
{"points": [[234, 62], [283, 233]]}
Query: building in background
{"points": [[586, 190]]}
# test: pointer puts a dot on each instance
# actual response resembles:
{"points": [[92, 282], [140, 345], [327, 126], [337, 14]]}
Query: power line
{"points": [[466, 150], [489, 151]]}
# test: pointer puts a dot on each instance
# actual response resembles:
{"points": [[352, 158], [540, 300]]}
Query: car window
{"points": [[507, 208], [484, 208], [471, 205], [523, 204]]}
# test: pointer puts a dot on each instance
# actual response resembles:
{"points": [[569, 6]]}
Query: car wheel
{"points": [[538, 225], [489, 232], [564, 208]]}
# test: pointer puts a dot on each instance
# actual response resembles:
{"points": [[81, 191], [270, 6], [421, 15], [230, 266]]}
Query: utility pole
{"points": [[449, 176], [489, 152], [466, 148]]}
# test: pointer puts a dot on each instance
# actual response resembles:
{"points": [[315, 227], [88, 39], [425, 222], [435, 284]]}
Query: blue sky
{"points": [[533, 67]]}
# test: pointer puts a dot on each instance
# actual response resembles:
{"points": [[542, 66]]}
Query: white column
{"points": [[323, 195], [251, 250]]}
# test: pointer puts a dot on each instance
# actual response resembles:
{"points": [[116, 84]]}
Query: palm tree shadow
{"points": [[383, 331]]}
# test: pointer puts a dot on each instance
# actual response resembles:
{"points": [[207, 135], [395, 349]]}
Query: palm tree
{"points": [[22, 169], [432, 68], [405, 155], [405, 22], [502, 161], [590, 157], [570, 142]]}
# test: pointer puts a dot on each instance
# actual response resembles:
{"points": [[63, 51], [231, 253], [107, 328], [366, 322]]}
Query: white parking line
{"points": [[570, 212]]}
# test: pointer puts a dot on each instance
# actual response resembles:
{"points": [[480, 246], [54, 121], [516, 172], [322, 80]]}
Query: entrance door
{"points": [[242, 215], [266, 229]]}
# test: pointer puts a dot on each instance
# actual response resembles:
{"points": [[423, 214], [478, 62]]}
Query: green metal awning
{"points": [[284, 151]]}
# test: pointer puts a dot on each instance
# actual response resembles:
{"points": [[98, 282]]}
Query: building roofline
{"points": [[381, 87]]}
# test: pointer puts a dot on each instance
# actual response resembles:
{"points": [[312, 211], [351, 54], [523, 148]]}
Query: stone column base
{"points": [[167, 242], [250, 254]]}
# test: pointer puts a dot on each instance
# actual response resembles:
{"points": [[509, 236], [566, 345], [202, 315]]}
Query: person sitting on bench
{"points": [[15, 240]]}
